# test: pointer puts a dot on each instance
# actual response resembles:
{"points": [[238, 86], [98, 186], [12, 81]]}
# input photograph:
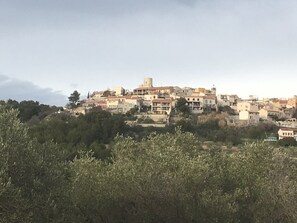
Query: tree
{"points": [[181, 106], [190, 184], [33, 183], [185, 125], [107, 93], [28, 109], [227, 109], [13, 206], [30, 112], [132, 111], [74, 99], [294, 114]]}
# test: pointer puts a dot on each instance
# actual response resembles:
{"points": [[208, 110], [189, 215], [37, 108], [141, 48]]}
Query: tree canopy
{"points": [[74, 99], [181, 106], [160, 177], [32, 176], [189, 184]]}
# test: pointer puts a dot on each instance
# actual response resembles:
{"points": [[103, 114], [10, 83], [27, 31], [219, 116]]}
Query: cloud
{"points": [[53, 13], [19, 90], [100, 6]]}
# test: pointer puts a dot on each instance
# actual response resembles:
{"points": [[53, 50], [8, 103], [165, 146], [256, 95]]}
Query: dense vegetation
{"points": [[30, 111], [166, 177], [98, 128]]}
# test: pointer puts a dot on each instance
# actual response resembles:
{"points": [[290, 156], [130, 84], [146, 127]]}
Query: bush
{"points": [[287, 142], [145, 120]]}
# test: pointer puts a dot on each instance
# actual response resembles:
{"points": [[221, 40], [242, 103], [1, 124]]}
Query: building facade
{"points": [[287, 133]]}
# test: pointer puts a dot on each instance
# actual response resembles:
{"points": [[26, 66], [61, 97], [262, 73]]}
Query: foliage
{"points": [[227, 109], [260, 131], [132, 111], [107, 93], [185, 125], [145, 108], [181, 106], [289, 141], [46, 124], [189, 184], [164, 177], [33, 176], [30, 112], [73, 134], [74, 99], [145, 120]]}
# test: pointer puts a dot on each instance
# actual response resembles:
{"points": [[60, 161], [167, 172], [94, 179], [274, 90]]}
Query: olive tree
{"points": [[33, 181]]}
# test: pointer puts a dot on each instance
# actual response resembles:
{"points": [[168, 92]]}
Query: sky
{"points": [[49, 48]]}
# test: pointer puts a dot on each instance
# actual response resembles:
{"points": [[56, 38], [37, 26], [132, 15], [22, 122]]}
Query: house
{"points": [[292, 102], [227, 100], [209, 101], [102, 104], [247, 106], [122, 104], [153, 90], [279, 103], [118, 91], [289, 123], [288, 112], [147, 88], [287, 133], [162, 106], [265, 113], [250, 116], [182, 92], [195, 103], [248, 112], [198, 104]]}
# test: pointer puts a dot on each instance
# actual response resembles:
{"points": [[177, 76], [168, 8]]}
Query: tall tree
{"points": [[74, 99], [181, 106], [33, 183]]}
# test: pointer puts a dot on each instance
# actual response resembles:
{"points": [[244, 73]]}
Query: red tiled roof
{"points": [[162, 100], [163, 88], [194, 96], [288, 129], [209, 97], [270, 110], [155, 88], [123, 97]]}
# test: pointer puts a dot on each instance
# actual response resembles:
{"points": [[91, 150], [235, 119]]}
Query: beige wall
{"points": [[263, 113], [247, 106], [285, 133], [246, 115]]}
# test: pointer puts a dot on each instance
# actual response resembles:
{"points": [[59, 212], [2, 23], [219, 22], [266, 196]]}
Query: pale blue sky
{"points": [[53, 47]]}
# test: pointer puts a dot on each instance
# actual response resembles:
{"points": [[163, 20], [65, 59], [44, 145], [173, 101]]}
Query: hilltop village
{"points": [[158, 106]]}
